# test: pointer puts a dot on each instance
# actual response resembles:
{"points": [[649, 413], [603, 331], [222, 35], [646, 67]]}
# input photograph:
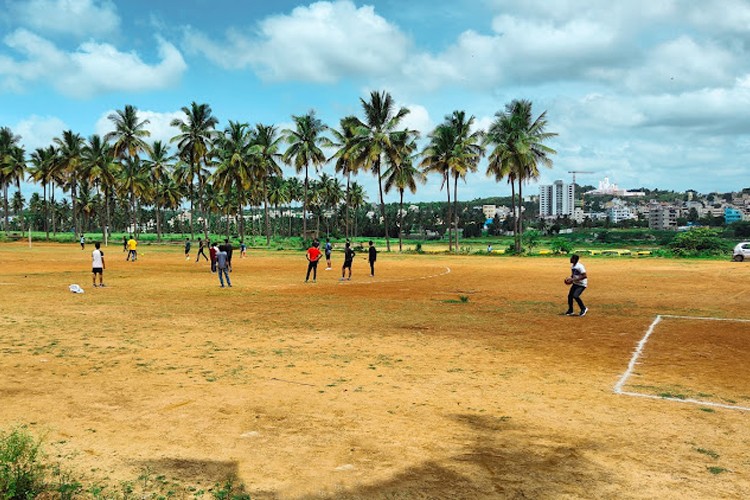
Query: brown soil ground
{"points": [[385, 387]]}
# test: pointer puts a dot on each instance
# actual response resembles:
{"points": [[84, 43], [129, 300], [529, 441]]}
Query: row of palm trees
{"points": [[226, 171]]}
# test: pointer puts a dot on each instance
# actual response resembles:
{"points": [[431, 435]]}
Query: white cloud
{"points": [[323, 43], [417, 119], [92, 69], [38, 131], [81, 18], [159, 124]]}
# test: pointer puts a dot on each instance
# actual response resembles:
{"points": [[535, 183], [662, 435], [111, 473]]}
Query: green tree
{"points": [[70, 152], [403, 175], [346, 144], [101, 168], [128, 141], [518, 141], [159, 166], [265, 147], [305, 143], [41, 170], [380, 133], [194, 143]]}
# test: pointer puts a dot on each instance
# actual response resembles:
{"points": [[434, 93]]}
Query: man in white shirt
{"points": [[97, 264], [578, 283]]}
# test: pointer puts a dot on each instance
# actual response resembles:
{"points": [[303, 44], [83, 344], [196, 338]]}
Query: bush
{"points": [[699, 241], [21, 471], [561, 245]]}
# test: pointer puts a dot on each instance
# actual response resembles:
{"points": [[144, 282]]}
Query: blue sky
{"points": [[650, 93]]}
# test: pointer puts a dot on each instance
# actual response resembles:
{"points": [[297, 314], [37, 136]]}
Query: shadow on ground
{"points": [[504, 461]]}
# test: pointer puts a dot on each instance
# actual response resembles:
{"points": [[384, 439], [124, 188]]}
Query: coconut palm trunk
{"points": [[455, 208], [401, 221], [450, 213], [304, 207], [265, 202], [382, 206], [519, 219]]}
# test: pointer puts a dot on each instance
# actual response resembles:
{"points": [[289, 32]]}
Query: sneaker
{"points": [[568, 313], [306, 281], [328, 268], [341, 279], [315, 281], [101, 285], [348, 279], [585, 310], [230, 286], [221, 286], [95, 285]]}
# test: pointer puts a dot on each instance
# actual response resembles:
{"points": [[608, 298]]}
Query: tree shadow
{"points": [[504, 461]]}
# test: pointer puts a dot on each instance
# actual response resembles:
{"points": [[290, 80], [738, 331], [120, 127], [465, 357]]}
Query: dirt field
{"points": [[385, 387]]}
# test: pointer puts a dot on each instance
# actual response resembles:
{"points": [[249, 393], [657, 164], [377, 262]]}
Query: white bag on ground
{"points": [[75, 288]]}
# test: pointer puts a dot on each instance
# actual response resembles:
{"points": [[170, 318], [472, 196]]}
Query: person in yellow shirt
{"points": [[132, 249]]}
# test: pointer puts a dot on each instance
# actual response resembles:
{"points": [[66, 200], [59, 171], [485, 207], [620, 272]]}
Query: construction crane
{"points": [[574, 172]]}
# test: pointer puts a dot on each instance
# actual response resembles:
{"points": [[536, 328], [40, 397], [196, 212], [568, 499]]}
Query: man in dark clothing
{"points": [[201, 250], [222, 264], [348, 259], [372, 257], [228, 248]]}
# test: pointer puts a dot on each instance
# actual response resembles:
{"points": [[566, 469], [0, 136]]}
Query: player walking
{"points": [[372, 256], [348, 259], [578, 282], [97, 264], [328, 249]]}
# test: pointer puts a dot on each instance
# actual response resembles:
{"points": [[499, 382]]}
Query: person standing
{"points": [[132, 249], [97, 264], [187, 248], [228, 249], [348, 259], [124, 243], [372, 256], [578, 282], [313, 255], [243, 249], [222, 264], [83, 241], [328, 249], [201, 250], [212, 251]]}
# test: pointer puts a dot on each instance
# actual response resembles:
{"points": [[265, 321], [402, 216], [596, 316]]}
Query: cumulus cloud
{"points": [[417, 119], [80, 18], [322, 42], [92, 69], [38, 131], [159, 124]]}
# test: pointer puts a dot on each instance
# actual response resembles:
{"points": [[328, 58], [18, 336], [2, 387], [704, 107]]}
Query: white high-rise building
{"points": [[556, 200]]}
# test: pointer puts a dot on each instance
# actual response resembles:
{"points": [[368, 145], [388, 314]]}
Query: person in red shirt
{"points": [[313, 256]]}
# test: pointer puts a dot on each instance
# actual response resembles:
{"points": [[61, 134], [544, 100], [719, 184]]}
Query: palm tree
{"points": [[134, 182], [234, 172], [14, 170], [346, 143], [305, 142], [377, 141], [8, 142], [266, 142], [128, 140], [296, 193], [330, 193], [101, 169], [159, 165], [42, 164], [194, 144], [465, 155], [357, 198], [278, 193], [403, 175], [435, 158], [518, 141], [70, 147]]}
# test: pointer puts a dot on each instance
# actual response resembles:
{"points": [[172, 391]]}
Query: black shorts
{"points": [[97, 270], [347, 263], [328, 255]]}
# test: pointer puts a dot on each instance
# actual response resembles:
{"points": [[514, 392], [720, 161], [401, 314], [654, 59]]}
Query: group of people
{"points": [[314, 255], [220, 257]]}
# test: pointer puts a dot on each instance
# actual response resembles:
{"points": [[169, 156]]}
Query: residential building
{"points": [[662, 216], [556, 200], [732, 215]]}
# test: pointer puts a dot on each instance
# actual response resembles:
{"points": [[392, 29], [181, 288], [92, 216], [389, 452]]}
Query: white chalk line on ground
{"points": [[639, 350], [372, 282]]}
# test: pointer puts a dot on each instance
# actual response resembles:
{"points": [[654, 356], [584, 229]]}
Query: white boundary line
{"points": [[639, 349], [447, 271]]}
